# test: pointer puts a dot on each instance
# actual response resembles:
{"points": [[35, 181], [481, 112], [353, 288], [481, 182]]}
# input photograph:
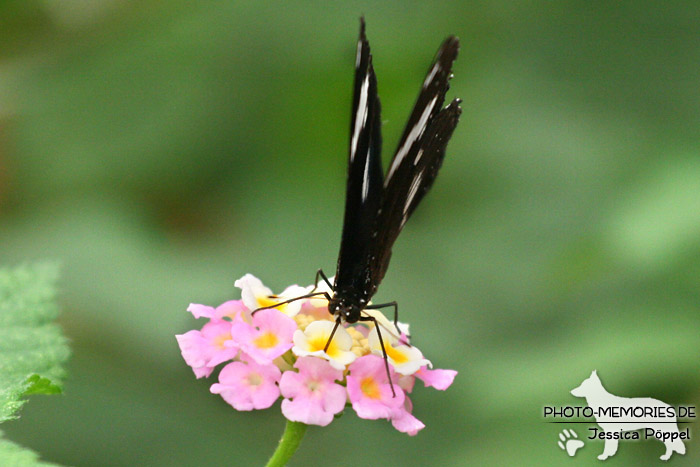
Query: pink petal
{"points": [[291, 384], [368, 365], [334, 399], [276, 322], [243, 335], [217, 328], [201, 311], [191, 344], [241, 331], [203, 372], [407, 423], [306, 411], [196, 351], [233, 373], [318, 369], [439, 379], [373, 409], [218, 334], [407, 382], [230, 309], [265, 396]]}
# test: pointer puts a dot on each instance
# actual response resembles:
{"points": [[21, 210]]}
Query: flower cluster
{"points": [[280, 352]]}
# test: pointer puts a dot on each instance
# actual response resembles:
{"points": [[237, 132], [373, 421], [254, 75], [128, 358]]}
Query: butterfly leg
{"points": [[381, 343], [320, 273], [309, 295], [385, 305], [330, 338], [396, 317]]}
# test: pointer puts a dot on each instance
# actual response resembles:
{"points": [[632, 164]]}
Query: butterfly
{"points": [[377, 206]]}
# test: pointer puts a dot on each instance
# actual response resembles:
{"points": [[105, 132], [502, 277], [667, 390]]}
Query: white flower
{"points": [[405, 359], [320, 301], [386, 324], [255, 295], [314, 338]]}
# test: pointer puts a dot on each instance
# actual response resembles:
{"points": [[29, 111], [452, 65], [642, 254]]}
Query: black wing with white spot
{"points": [[417, 160], [364, 183]]}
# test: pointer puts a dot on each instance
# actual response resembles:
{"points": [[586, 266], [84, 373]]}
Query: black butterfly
{"points": [[376, 208]]}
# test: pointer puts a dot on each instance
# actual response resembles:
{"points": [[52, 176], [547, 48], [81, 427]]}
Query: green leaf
{"points": [[40, 385], [17, 456], [32, 348]]}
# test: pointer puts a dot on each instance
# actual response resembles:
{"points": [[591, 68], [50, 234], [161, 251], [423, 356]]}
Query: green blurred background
{"points": [[160, 150]]}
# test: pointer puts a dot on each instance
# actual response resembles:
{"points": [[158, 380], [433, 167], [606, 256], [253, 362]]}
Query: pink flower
{"points": [[311, 395], [267, 338], [248, 386], [203, 350], [439, 379], [369, 389]]}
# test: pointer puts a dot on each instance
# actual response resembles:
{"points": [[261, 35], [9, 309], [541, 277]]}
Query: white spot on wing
{"points": [[412, 192], [418, 157], [365, 180], [415, 133], [360, 116], [431, 75]]}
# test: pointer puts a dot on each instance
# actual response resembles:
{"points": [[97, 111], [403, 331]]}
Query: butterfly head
{"points": [[348, 310]]}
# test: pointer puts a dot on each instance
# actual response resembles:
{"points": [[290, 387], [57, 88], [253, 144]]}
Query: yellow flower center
{"points": [[269, 301], [312, 386], [254, 379], [370, 388], [266, 340], [303, 320], [396, 355], [317, 343], [220, 339], [360, 345]]}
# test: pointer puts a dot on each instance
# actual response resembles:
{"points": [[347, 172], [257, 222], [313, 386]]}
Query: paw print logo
{"points": [[569, 442]]}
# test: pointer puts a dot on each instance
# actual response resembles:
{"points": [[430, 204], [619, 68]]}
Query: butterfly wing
{"points": [[417, 160], [364, 183]]}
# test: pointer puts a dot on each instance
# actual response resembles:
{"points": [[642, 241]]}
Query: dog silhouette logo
{"points": [[623, 417]]}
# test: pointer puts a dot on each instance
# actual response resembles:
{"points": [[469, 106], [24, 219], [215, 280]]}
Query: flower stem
{"points": [[291, 438]]}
